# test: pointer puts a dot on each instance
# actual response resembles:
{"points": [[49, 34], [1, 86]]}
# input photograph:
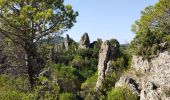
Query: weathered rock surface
{"points": [[85, 41], [46, 73], [158, 68], [67, 42], [139, 64], [150, 92], [130, 82], [104, 57], [104, 64], [155, 76]]}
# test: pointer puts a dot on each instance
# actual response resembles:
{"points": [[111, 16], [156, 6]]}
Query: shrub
{"points": [[78, 62], [46, 89], [68, 78], [67, 96], [14, 95], [121, 93], [89, 83], [15, 88]]}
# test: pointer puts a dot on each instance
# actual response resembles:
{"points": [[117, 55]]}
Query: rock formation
{"points": [[106, 55], [67, 42], [155, 78], [85, 41], [125, 80], [158, 68], [46, 73], [150, 92]]}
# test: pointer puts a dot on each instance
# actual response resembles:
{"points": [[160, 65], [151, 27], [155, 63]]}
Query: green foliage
{"points": [[15, 89], [14, 95], [67, 96], [117, 67], [17, 84], [25, 23], [78, 62], [118, 64], [151, 30], [89, 83], [121, 93], [69, 78], [46, 89], [45, 51], [110, 81]]}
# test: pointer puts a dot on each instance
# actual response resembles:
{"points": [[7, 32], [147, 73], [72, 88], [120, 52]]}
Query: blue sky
{"points": [[106, 19]]}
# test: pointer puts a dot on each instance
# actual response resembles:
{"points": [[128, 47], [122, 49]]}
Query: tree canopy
{"points": [[25, 22], [152, 30]]}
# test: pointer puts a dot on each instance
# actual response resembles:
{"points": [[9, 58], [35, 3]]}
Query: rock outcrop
{"points": [[85, 41], [130, 82], [46, 73], [150, 92], [158, 68], [155, 78], [67, 42], [106, 55]]}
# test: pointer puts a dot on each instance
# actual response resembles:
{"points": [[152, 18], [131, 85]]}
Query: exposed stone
{"points": [[163, 45], [130, 82], [156, 76], [59, 46], [139, 64], [46, 73], [85, 41], [109, 69], [67, 42], [108, 51], [150, 92], [104, 57], [158, 68]]}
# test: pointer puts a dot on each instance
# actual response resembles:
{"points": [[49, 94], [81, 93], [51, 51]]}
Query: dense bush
{"points": [[78, 62], [89, 83], [67, 96], [15, 88], [68, 78], [121, 93]]}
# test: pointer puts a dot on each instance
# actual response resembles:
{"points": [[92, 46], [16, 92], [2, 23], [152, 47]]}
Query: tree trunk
{"points": [[30, 55], [31, 73]]}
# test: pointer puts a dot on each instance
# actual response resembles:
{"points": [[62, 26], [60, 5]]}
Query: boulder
{"points": [[46, 73], [85, 41], [130, 82]]}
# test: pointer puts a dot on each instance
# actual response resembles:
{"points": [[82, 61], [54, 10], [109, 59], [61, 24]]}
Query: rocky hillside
{"points": [[149, 79]]}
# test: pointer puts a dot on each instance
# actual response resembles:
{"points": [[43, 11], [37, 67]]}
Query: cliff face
{"points": [[158, 68], [154, 81]]}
